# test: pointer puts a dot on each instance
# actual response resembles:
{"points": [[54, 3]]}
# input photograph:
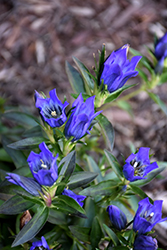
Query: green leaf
{"points": [[18, 157], [143, 75], [163, 78], [107, 130], [81, 233], [57, 217], [111, 235], [15, 205], [33, 132], [89, 84], [114, 164], [21, 118], [111, 97], [107, 188], [27, 143], [75, 79], [66, 171], [29, 197], [4, 156], [102, 57], [158, 101], [68, 201], [80, 179], [94, 167], [96, 233], [30, 230], [150, 176], [138, 191]]}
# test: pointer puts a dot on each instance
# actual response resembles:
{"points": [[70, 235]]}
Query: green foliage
{"points": [[85, 167]]}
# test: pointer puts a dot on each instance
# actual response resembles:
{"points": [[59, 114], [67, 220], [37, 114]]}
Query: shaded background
{"points": [[36, 37]]}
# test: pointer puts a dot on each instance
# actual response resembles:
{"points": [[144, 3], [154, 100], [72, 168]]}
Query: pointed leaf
{"points": [[138, 191], [75, 79], [18, 157], [81, 233], [80, 179], [150, 176], [69, 202], [66, 171], [15, 205], [28, 143], [111, 235], [96, 233], [30, 230], [94, 167], [116, 93], [85, 74], [57, 217], [35, 131], [107, 188], [158, 101], [21, 118], [114, 164], [107, 130]]}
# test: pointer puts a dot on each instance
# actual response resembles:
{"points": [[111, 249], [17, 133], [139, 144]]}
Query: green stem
{"points": [[123, 98]]}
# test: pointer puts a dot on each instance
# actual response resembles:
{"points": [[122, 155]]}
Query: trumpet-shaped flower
{"points": [[147, 216], [81, 118], [117, 217], [144, 242], [138, 165], [41, 244], [51, 109], [43, 166], [160, 53], [78, 198], [117, 69], [29, 184]]}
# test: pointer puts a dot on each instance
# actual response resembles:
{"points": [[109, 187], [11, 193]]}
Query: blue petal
{"points": [[76, 197]]}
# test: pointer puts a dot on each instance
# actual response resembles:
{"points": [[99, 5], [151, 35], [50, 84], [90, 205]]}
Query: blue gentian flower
{"points": [[138, 165], [117, 217], [160, 53], [81, 118], [29, 184], [51, 109], [144, 242], [117, 69], [147, 216], [42, 244], [78, 198], [43, 166]]}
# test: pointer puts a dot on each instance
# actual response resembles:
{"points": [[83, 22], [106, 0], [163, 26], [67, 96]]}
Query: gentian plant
{"points": [[62, 183]]}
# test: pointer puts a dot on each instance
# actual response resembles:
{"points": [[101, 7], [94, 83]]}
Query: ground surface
{"points": [[36, 37]]}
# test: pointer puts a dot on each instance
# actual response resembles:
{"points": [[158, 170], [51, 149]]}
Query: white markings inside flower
{"points": [[43, 165], [138, 167], [53, 113], [148, 217]]}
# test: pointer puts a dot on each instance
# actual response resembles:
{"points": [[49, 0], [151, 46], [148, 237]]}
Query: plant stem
{"points": [[124, 98]]}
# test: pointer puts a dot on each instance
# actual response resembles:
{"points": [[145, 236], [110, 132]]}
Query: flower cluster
{"points": [[146, 217], [44, 169]]}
